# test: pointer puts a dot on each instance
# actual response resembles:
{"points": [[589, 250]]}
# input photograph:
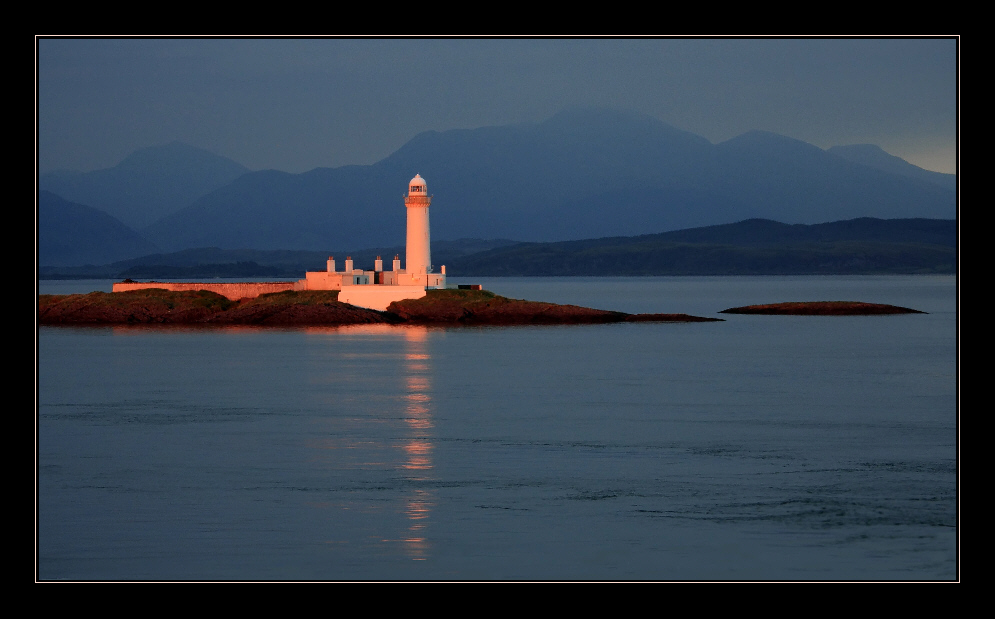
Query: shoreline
{"points": [[156, 306]]}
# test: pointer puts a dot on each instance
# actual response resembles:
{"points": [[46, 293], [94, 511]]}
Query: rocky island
{"points": [[320, 307], [822, 308]]}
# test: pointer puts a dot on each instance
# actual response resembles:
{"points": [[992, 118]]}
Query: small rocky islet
{"points": [[320, 307], [822, 308]]}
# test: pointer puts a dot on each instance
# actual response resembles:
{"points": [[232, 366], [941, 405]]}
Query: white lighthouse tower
{"points": [[418, 258]]}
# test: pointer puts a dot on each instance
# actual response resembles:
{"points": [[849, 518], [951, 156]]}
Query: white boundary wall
{"points": [[378, 297], [232, 290]]}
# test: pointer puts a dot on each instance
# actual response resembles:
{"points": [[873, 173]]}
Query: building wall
{"points": [[234, 291], [430, 280], [378, 297], [323, 280]]}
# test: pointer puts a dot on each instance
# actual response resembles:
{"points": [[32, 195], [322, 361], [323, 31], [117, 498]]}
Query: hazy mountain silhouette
{"points": [[751, 247], [755, 246], [583, 173], [291, 264], [873, 156], [788, 180], [148, 184], [76, 234]]}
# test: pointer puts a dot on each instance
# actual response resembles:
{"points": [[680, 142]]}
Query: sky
{"points": [[298, 104]]}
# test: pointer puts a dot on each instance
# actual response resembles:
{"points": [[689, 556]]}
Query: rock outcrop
{"points": [[822, 308], [302, 308]]}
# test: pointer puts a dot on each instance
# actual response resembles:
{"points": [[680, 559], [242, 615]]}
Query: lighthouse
{"points": [[375, 289], [418, 258], [378, 288]]}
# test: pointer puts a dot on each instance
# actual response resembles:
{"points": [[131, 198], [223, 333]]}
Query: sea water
{"points": [[762, 447]]}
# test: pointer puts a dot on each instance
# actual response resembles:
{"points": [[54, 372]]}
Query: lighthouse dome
{"points": [[417, 185]]}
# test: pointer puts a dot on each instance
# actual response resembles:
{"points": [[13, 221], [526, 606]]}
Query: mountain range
{"points": [[148, 184], [584, 173], [75, 234], [751, 247]]}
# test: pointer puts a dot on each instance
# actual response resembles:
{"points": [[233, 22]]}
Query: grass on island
{"points": [[296, 297], [148, 298], [449, 296]]}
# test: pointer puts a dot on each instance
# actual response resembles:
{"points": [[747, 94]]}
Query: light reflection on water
{"points": [[411, 453], [418, 417]]}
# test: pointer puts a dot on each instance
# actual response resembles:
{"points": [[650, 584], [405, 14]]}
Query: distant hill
{"points": [[148, 184], [752, 247], [76, 234], [209, 262], [581, 174], [874, 157]]}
